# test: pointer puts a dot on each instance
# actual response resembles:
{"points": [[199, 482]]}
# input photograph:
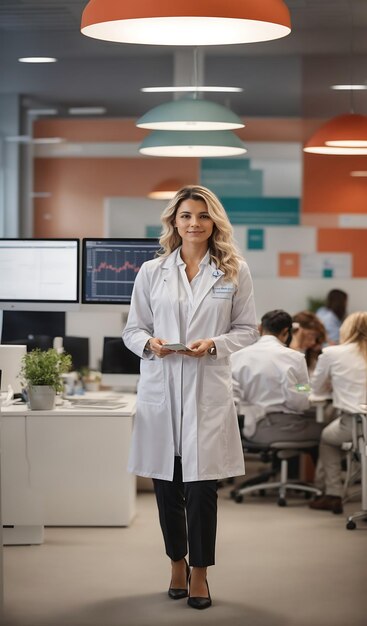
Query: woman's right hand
{"points": [[156, 346]]}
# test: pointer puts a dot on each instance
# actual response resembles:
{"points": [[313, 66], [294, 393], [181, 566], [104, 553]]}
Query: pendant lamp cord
{"points": [[196, 60], [351, 57]]}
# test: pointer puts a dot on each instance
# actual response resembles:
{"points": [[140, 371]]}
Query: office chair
{"points": [[360, 444], [276, 451]]}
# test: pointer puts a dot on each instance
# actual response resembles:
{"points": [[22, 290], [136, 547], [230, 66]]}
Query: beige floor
{"points": [[275, 567]]}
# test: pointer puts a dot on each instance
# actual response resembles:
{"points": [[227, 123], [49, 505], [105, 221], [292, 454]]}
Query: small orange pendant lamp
{"points": [[343, 135], [186, 22]]}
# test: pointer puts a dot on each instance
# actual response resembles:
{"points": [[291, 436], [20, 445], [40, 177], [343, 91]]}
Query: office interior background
{"points": [[300, 219]]}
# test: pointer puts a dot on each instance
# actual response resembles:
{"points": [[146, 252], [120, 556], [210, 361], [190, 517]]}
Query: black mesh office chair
{"points": [[278, 453], [360, 447]]}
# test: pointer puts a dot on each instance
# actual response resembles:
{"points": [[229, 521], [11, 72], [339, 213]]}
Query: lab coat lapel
{"points": [[170, 282], [210, 277]]}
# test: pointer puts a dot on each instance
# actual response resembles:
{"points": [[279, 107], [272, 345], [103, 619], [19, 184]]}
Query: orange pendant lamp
{"points": [[186, 22], [343, 135], [166, 189]]}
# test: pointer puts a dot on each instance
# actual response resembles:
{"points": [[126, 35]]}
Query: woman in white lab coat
{"points": [[199, 293], [341, 373]]}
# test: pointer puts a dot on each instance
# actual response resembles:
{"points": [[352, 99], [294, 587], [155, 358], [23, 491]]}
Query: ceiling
{"points": [[287, 77]]}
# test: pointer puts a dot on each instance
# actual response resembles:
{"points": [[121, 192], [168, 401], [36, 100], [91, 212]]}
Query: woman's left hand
{"points": [[200, 347]]}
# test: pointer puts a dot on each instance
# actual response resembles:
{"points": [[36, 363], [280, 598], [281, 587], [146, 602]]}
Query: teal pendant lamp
{"points": [[190, 114], [192, 144]]}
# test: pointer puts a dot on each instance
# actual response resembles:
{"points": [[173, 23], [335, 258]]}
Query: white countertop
{"points": [[96, 403]]}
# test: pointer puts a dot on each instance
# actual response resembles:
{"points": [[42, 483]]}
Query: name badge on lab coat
{"points": [[224, 292]]}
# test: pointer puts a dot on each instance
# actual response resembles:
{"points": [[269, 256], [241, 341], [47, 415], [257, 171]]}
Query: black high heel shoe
{"points": [[199, 602], [178, 594]]}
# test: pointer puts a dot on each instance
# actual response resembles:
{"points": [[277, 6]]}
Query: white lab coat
{"points": [[265, 377], [211, 446], [341, 373]]}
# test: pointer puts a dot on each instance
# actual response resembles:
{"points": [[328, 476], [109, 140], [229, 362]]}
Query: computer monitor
{"points": [[39, 274], [10, 366], [18, 324], [109, 268], [78, 348], [120, 367]]}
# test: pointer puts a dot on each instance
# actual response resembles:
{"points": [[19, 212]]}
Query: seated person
{"points": [[271, 380], [341, 372], [308, 336], [333, 313]]}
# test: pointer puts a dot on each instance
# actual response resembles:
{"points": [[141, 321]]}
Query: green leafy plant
{"points": [[89, 375], [45, 368], [314, 304]]}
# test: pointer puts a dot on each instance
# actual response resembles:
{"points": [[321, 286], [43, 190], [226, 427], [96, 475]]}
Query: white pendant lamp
{"points": [[192, 144], [186, 22], [192, 89], [190, 114]]}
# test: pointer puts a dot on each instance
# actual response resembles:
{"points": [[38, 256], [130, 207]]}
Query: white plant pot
{"points": [[41, 397], [92, 386]]}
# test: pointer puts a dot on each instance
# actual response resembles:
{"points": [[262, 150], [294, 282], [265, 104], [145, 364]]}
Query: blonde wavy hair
{"points": [[222, 248], [354, 330]]}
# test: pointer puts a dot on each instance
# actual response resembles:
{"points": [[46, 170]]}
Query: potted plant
{"points": [[91, 379], [41, 373]]}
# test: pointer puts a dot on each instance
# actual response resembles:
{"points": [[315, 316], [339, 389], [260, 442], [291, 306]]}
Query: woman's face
{"points": [[193, 222]]}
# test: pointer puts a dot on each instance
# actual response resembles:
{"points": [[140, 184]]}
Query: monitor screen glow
{"points": [[110, 266], [39, 272]]}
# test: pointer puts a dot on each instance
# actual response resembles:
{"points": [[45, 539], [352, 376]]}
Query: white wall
{"points": [[128, 217], [96, 323], [291, 294]]}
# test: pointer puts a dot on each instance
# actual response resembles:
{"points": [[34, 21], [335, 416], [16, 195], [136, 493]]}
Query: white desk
{"points": [[69, 464]]}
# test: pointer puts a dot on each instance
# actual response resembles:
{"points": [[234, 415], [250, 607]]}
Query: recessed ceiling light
{"points": [[87, 110], [48, 140], [37, 60], [18, 139], [40, 194], [359, 174], [191, 89], [42, 112], [28, 139], [353, 87]]}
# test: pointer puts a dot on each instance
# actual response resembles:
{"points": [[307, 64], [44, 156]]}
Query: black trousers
{"points": [[188, 517]]}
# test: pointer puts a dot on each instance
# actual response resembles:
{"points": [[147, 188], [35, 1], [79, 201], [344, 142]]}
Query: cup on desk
{"points": [[70, 381]]}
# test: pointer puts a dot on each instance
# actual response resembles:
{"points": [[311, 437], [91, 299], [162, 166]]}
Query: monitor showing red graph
{"points": [[110, 266]]}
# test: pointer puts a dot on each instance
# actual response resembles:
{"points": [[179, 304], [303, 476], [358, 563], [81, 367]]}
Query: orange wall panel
{"points": [[79, 186], [328, 186], [351, 240], [288, 264]]}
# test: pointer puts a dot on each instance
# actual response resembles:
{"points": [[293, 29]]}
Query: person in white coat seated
{"points": [[341, 373], [198, 293], [271, 385]]}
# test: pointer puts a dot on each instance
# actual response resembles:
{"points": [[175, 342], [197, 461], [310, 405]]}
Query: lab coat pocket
{"points": [[151, 385], [217, 385]]}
